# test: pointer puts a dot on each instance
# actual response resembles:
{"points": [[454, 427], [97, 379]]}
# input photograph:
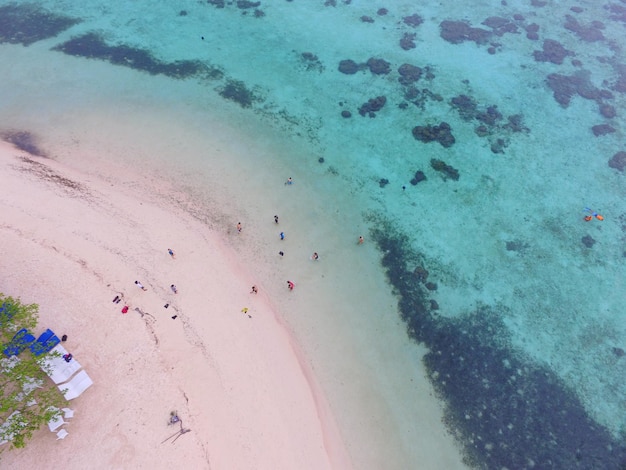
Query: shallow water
{"points": [[526, 335]]}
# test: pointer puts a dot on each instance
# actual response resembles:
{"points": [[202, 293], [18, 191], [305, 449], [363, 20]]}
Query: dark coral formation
{"points": [[588, 241], [372, 106], [245, 4], [28, 23], [500, 25], [383, 182], [618, 12], [311, 62], [237, 91], [489, 118], [607, 111], [482, 131], [441, 133], [407, 41], [532, 31], [498, 145], [516, 123], [446, 170], [418, 177], [618, 161], [419, 97], [620, 83], [349, 67], [378, 66], [590, 33], [602, 129], [421, 273], [92, 46], [553, 51], [23, 140], [375, 65], [506, 410], [456, 32], [409, 74], [413, 20], [466, 106], [564, 87], [516, 245], [367, 19]]}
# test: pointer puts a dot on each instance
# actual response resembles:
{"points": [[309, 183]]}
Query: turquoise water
{"points": [[518, 299]]}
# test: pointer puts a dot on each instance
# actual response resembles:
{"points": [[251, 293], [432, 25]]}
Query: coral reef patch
{"points": [[553, 51], [441, 133], [372, 106], [602, 129], [447, 171], [456, 32], [618, 161]]}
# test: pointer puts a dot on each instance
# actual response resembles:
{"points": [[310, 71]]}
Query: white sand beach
{"points": [[72, 241], [235, 379]]}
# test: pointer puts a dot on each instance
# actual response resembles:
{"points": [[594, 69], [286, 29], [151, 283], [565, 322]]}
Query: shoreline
{"points": [[65, 235]]}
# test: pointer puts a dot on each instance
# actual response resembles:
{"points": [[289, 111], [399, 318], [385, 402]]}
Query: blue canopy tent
{"points": [[20, 341], [46, 341]]}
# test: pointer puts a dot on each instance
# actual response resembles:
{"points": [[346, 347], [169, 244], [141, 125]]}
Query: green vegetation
{"points": [[27, 398]]}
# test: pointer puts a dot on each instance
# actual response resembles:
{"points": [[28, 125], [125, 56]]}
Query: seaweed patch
{"points": [[93, 46], [24, 141], [506, 410], [28, 23], [237, 91]]}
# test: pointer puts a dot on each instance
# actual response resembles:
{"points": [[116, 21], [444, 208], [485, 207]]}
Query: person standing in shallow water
{"points": [[239, 227], [361, 240], [275, 219], [290, 285]]}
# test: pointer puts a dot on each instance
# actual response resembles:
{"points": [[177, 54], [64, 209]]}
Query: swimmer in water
{"points": [[593, 214]]}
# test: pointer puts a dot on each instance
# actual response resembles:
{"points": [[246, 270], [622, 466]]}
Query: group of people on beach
{"points": [[290, 284], [315, 256], [118, 298]]}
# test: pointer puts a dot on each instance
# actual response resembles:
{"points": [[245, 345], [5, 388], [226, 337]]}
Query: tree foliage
{"points": [[28, 399]]}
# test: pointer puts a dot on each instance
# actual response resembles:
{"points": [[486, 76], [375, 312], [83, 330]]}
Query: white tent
{"points": [[57, 368], [75, 387]]}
